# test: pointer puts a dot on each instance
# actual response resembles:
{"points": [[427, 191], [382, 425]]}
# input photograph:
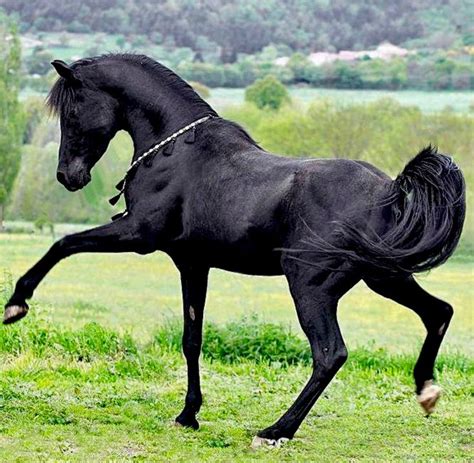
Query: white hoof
{"points": [[13, 313], [272, 443], [428, 396]]}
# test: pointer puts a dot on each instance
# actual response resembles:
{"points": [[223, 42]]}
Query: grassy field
{"points": [[137, 293], [428, 102], [71, 390]]}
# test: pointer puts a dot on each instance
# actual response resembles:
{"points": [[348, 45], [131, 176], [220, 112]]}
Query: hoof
{"points": [[258, 442], [428, 396], [187, 422], [13, 313]]}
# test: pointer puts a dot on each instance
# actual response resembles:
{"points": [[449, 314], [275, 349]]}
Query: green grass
{"points": [[428, 102], [95, 394], [94, 373]]}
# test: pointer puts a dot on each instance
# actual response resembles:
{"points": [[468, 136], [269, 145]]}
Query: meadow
{"points": [[95, 371], [428, 102], [137, 294]]}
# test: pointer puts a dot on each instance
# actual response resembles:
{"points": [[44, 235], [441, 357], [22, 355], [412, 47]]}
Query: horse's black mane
{"points": [[61, 97]]}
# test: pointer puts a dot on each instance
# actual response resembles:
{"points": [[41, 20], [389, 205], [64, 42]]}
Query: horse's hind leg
{"points": [[435, 315], [316, 293]]}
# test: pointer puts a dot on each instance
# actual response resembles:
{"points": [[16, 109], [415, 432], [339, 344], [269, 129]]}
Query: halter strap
{"points": [[121, 185]]}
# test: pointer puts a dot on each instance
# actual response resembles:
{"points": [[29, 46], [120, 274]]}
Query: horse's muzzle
{"points": [[73, 183]]}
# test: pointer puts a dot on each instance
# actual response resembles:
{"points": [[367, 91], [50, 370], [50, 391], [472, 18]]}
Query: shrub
{"points": [[209, 74], [268, 92], [39, 62], [85, 344], [201, 89], [248, 339]]}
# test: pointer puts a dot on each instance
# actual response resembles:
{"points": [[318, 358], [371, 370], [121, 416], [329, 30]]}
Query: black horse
{"points": [[201, 190]]}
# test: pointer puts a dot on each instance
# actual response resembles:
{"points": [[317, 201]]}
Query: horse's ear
{"points": [[64, 70]]}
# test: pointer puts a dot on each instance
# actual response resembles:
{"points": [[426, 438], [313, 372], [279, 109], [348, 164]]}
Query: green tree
{"points": [[268, 92], [39, 61], [11, 114], [202, 90]]}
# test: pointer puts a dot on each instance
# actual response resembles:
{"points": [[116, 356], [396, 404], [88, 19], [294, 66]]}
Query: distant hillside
{"points": [[246, 27]]}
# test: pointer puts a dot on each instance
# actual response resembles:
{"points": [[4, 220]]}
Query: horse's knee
{"points": [[338, 360], [341, 358], [327, 363]]}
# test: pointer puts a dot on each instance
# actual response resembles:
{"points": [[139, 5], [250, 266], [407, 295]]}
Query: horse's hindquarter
{"points": [[330, 190]]}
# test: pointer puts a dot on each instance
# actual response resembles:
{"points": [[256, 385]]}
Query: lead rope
{"points": [[167, 141]]}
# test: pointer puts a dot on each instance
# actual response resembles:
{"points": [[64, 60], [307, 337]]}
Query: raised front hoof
{"points": [[428, 397], [259, 442], [187, 421], [14, 312]]}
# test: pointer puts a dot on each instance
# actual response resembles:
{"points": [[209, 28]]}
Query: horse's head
{"points": [[88, 119]]}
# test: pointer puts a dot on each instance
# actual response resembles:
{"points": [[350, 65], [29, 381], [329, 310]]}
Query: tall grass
{"points": [[245, 340]]}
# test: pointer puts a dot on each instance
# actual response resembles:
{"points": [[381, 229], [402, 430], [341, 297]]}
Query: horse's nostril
{"points": [[61, 176]]}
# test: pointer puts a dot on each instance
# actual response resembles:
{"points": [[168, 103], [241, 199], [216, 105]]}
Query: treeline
{"points": [[246, 27], [432, 72]]}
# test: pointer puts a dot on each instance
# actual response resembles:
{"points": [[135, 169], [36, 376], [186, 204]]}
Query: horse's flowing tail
{"points": [[427, 205]]}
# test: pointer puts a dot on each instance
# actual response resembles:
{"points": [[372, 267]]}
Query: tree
{"points": [[39, 61], [201, 89], [11, 114], [268, 92]]}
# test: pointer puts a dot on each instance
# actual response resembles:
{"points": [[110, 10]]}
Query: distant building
{"points": [[283, 61], [322, 57], [385, 51]]}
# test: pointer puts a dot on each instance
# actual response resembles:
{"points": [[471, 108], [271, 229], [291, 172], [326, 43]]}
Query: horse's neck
{"points": [[153, 110], [147, 128]]}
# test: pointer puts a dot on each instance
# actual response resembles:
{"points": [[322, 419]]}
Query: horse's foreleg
{"points": [[316, 293], [194, 287], [118, 236], [435, 315]]}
